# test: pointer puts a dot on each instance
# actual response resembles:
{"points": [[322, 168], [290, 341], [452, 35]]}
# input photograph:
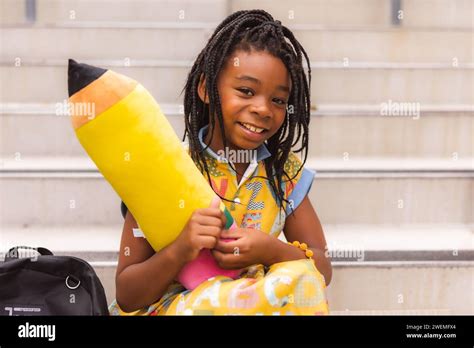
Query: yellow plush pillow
{"points": [[138, 152]]}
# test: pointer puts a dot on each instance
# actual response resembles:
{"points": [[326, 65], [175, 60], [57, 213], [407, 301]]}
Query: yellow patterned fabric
{"points": [[254, 202], [287, 288], [293, 287]]}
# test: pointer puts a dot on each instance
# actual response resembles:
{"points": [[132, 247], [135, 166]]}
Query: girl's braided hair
{"points": [[247, 30]]}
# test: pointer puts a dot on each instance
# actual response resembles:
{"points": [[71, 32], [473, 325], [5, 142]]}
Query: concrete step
{"points": [[385, 280], [12, 11], [58, 191], [435, 134], [402, 288], [392, 190], [53, 11], [416, 13], [336, 130], [331, 83], [139, 41], [431, 13]]}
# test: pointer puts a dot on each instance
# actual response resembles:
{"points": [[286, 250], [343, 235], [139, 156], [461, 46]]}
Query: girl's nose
{"points": [[262, 108]]}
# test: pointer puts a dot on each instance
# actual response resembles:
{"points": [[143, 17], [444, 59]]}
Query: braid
{"points": [[246, 30]]}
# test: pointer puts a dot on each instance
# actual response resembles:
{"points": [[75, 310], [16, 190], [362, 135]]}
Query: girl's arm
{"points": [[140, 279], [304, 226], [144, 275]]}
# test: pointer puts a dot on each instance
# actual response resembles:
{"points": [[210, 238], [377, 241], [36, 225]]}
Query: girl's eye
{"points": [[279, 101], [246, 91]]}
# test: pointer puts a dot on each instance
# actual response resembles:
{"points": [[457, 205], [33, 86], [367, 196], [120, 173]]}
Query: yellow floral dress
{"points": [[285, 288]]}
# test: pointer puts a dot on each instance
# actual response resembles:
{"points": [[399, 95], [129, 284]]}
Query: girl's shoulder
{"points": [[300, 180], [295, 169]]}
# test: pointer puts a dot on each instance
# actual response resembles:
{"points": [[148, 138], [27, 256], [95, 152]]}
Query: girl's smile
{"points": [[252, 132]]}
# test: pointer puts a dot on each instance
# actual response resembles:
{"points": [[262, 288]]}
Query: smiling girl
{"points": [[247, 91]]}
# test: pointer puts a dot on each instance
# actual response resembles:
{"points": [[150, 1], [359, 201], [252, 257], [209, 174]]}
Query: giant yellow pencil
{"points": [[138, 153]]}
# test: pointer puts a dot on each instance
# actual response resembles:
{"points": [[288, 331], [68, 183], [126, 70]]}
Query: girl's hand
{"points": [[201, 231], [250, 247]]}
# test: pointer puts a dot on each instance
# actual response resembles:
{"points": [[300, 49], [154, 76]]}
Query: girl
{"points": [[246, 93]]}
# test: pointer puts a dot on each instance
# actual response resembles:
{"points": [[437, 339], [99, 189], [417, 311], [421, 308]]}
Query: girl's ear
{"points": [[201, 90]]}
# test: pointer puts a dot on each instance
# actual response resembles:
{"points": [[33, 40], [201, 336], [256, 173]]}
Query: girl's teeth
{"points": [[253, 129]]}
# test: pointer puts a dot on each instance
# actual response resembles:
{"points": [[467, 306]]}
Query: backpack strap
{"points": [[13, 253]]}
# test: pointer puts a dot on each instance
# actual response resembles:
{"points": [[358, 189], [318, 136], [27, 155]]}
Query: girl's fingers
{"points": [[227, 261], [223, 218], [227, 247], [212, 231], [213, 212], [208, 242], [232, 234], [210, 212], [222, 259], [209, 221]]}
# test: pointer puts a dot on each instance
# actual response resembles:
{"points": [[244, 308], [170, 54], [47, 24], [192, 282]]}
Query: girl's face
{"points": [[254, 88]]}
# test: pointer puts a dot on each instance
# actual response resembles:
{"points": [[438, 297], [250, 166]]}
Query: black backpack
{"points": [[49, 285]]}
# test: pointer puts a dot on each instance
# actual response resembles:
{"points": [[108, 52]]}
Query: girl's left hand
{"points": [[250, 247]]}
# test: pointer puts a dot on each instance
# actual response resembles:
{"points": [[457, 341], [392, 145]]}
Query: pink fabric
{"points": [[204, 267]]}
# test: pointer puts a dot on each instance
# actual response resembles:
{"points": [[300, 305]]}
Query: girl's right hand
{"points": [[202, 230]]}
